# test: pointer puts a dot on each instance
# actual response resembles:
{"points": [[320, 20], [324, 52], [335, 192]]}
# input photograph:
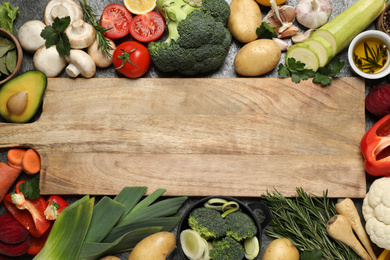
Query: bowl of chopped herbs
{"points": [[11, 56], [221, 227]]}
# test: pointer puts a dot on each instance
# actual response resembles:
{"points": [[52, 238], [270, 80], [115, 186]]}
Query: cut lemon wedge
{"points": [[140, 6]]}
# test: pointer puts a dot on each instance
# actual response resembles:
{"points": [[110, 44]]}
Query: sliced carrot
{"points": [[31, 162], [8, 176], [15, 156]]}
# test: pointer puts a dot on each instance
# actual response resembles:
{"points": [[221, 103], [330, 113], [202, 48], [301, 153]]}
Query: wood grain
{"points": [[198, 137]]}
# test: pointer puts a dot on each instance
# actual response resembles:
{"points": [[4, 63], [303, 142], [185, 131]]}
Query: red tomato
{"points": [[147, 27], [118, 18], [131, 58]]}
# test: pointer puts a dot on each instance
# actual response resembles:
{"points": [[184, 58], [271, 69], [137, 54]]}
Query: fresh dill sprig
{"points": [[303, 219], [90, 16]]}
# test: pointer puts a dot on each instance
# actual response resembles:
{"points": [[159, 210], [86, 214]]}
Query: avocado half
{"points": [[34, 82]]}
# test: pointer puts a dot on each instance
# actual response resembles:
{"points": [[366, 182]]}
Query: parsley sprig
{"points": [[265, 31], [297, 71], [55, 35], [30, 188]]}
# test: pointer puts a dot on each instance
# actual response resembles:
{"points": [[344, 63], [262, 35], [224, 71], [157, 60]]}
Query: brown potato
{"points": [[281, 249], [245, 17], [257, 58], [110, 257], [154, 247]]}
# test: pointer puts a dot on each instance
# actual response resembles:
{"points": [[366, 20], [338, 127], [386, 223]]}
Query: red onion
{"points": [[378, 100]]}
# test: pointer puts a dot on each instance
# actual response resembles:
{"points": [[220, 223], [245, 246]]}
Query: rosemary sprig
{"points": [[90, 16], [374, 58], [302, 219]]}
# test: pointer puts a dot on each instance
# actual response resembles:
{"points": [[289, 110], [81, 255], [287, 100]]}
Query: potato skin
{"points": [[281, 249], [257, 58], [245, 17], [154, 247]]}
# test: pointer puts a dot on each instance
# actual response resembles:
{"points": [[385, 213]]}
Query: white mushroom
{"points": [[99, 57], [80, 63], [48, 61], [29, 35], [81, 34], [61, 9]]}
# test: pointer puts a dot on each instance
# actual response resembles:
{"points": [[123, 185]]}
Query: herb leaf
{"points": [[265, 31], [311, 255], [90, 15], [30, 188], [8, 14], [296, 70], [54, 34]]}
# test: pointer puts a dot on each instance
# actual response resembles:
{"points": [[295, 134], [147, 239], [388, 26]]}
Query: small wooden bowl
{"points": [[10, 36], [380, 24]]}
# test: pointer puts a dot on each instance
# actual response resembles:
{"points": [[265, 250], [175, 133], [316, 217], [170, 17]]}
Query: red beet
{"points": [[378, 100], [11, 231], [15, 249]]}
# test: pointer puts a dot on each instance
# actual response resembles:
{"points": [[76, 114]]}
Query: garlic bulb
{"points": [[281, 17], [313, 13]]}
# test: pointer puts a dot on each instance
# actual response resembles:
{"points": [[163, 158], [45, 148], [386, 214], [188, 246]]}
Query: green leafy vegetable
{"points": [[30, 188], [103, 42], [265, 31], [302, 219], [54, 34], [8, 15], [296, 70]]}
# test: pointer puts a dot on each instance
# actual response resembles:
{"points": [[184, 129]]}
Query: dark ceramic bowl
{"points": [[6, 34], [246, 208]]}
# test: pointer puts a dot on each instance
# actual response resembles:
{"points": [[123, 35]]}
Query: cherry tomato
{"points": [[118, 18], [147, 27], [131, 58]]}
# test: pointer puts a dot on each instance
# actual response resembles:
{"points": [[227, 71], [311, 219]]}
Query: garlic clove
{"points": [[300, 37], [292, 30], [286, 15], [284, 46], [17, 103]]}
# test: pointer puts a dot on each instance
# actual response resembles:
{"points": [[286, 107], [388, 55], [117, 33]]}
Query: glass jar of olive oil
{"points": [[371, 55]]}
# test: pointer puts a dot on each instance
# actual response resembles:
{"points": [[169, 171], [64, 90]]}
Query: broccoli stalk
{"points": [[198, 40]]}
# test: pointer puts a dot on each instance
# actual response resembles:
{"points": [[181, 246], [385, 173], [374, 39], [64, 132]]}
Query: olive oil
{"points": [[371, 55]]}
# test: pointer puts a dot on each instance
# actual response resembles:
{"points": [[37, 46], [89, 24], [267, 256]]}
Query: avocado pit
{"points": [[17, 103]]}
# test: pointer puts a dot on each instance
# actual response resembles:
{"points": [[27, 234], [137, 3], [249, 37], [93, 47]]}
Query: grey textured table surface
{"points": [[33, 10]]}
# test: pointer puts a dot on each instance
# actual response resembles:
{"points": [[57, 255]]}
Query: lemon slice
{"points": [[252, 247], [192, 243], [140, 6]]}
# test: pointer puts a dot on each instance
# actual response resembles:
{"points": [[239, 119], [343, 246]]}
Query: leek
{"points": [[68, 232]]}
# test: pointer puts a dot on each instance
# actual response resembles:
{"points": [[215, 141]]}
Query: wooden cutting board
{"points": [[198, 137]]}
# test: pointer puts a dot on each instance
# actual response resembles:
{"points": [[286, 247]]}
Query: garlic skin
{"points": [[281, 17], [300, 37], [313, 13]]}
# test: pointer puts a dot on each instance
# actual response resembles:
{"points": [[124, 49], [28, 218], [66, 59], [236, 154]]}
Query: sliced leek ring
{"points": [[252, 248], [229, 207], [215, 203], [192, 243]]}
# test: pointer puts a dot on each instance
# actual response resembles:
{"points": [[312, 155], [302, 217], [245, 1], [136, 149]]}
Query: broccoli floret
{"points": [[240, 226], [208, 223], [227, 249], [198, 40]]}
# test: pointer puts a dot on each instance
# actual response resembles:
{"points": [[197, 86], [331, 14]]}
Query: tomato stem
{"points": [[126, 57]]}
